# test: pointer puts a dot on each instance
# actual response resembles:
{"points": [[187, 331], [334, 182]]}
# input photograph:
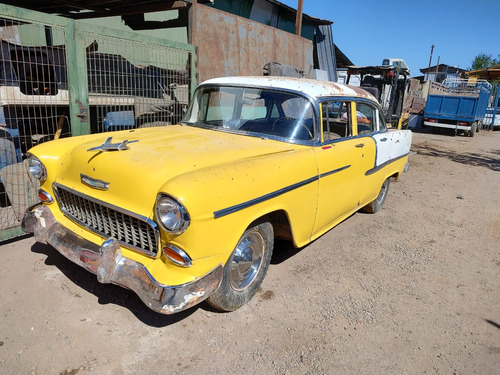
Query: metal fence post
{"points": [[77, 81]]}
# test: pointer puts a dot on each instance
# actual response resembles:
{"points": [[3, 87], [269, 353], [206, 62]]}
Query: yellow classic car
{"points": [[189, 212]]}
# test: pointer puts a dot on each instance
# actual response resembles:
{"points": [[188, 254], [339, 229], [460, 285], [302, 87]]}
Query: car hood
{"points": [[152, 158]]}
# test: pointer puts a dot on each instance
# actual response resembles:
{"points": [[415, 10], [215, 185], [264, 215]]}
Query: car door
{"points": [[371, 131], [343, 159], [390, 146]]}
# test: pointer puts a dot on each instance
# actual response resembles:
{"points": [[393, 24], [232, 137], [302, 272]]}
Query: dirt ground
{"points": [[413, 289]]}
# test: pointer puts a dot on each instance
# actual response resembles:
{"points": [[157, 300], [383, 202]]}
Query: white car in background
{"points": [[400, 63]]}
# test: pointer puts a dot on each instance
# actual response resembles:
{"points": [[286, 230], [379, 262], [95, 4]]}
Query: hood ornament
{"points": [[108, 146]]}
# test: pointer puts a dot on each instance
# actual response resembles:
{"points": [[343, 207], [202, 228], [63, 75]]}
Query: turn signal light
{"points": [[45, 197], [177, 256]]}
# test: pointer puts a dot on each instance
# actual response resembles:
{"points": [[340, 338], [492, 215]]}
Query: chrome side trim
{"points": [[147, 220], [238, 207], [379, 167], [334, 171]]}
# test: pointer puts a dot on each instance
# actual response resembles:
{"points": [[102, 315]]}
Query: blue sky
{"points": [[369, 31]]}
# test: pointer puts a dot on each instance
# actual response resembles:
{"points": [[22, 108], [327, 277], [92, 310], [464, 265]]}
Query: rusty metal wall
{"points": [[233, 45]]}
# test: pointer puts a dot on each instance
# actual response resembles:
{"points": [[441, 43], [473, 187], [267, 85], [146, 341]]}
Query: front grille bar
{"points": [[132, 230]]}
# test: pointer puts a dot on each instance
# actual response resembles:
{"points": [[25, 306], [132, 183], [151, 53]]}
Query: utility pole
{"points": [[298, 19], [430, 59], [437, 70]]}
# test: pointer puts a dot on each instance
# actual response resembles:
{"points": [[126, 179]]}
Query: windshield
{"points": [[265, 112]]}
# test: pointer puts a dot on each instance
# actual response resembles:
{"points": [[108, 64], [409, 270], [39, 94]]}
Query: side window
{"points": [[336, 120], [275, 112], [367, 117]]}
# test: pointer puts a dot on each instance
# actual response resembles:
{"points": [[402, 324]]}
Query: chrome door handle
{"points": [[360, 145], [383, 139]]}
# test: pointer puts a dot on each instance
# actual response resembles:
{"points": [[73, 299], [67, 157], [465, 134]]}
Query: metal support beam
{"points": [[131, 10], [192, 20]]}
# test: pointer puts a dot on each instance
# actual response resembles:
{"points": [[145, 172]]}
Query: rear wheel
{"points": [[245, 270], [472, 130], [376, 205]]}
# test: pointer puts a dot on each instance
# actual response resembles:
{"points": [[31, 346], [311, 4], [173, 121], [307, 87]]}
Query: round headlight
{"points": [[171, 214], [36, 168]]}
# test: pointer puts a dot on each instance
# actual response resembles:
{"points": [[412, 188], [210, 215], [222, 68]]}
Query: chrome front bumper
{"points": [[110, 266]]}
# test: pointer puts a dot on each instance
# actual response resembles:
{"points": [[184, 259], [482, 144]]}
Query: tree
{"points": [[484, 61]]}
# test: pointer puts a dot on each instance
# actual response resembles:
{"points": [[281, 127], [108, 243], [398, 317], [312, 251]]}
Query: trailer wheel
{"points": [[472, 130]]}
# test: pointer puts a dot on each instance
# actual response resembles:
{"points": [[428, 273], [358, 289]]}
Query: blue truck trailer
{"points": [[457, 104]]}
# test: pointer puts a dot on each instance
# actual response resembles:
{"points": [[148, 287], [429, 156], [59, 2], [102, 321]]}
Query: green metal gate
{"points": [[60, 78]]}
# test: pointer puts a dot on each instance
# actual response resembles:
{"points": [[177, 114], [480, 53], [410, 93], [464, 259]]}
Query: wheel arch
{"points": [[395, 175], [280, 221]]}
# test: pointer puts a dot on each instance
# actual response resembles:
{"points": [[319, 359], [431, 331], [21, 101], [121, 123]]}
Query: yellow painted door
{"points": [[342, 166], [343, 160]]}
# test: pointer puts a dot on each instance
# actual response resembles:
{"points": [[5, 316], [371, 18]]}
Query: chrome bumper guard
{"points": [[110, 266]]}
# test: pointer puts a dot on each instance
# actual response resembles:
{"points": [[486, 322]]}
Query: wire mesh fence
{"points": [[33, 106], [134, 84], [131, 84]]}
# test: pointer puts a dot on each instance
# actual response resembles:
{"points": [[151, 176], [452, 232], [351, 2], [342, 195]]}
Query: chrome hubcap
{"points": [[246, 260], [383, 192]]}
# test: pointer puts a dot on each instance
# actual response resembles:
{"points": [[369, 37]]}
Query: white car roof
{"points": [[311, 87]]}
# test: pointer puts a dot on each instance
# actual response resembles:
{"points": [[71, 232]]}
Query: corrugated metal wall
{"points": [[239, 46], [325, 51]]}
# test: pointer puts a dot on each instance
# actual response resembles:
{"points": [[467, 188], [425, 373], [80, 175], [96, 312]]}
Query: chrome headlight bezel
{"points": [[172, 216], [36, 168]]}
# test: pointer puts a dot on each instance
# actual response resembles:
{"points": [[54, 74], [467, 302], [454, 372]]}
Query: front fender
{"points": [[223, 200]]}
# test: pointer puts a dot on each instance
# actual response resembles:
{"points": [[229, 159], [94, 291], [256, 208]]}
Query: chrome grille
{"points": [[133, 231]]}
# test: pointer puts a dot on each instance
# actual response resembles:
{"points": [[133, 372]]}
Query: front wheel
{"points": [[376, 205], [245, 270]]}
